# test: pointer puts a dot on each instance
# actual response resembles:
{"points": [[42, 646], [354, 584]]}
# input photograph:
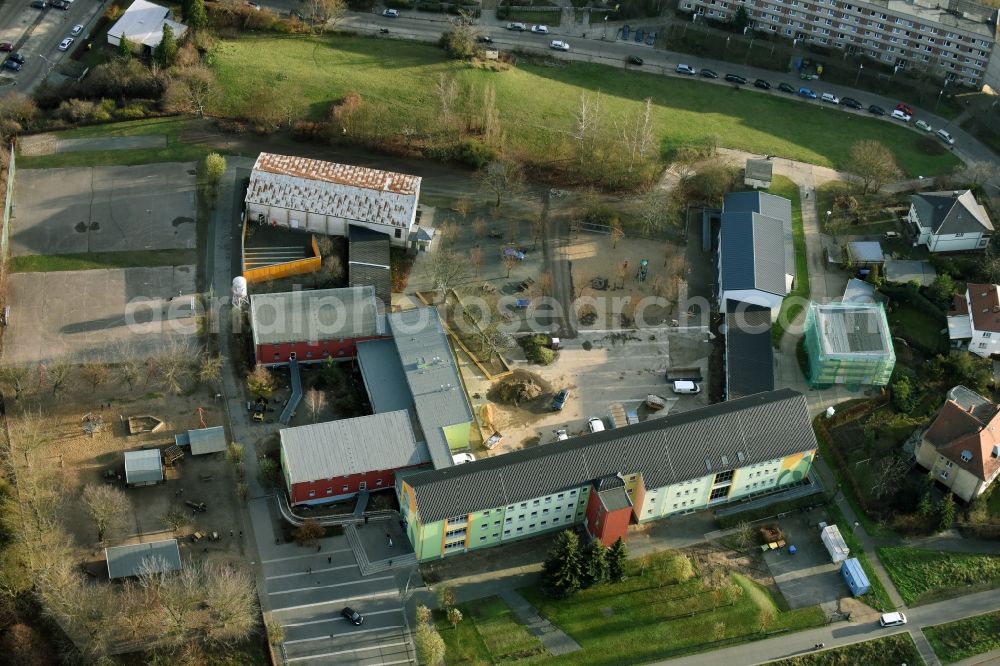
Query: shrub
{"points": [[132, 112], [473, 153], [537, 350]]}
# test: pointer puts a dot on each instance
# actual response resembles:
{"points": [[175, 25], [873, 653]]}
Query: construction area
{"points": [[848, 343]]}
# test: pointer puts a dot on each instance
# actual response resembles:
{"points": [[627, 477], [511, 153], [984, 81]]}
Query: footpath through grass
{"points": [[792, 305], [925, 576], [961, 639], [538, 99], [878, 598], [44, 263], [489, 633], [895, 649]]}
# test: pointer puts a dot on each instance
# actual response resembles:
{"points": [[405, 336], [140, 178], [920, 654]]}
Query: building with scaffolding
{"points": [[848, 343]]}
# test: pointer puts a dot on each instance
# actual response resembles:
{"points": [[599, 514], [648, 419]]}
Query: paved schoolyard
{"points": [[808, 577], [95, 315], [104, 209]]}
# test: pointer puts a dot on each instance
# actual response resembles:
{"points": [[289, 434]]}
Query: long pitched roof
{"points": [[749, 351], [350, 446], [951, 212], [322, 314], [966, 431], [674, 448], [143, 466], [134, 559], [756, 245]]}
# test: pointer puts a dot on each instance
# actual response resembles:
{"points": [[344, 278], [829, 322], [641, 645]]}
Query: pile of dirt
{"points": [[518, 387]]}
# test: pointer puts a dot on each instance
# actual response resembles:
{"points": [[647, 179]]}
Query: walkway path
{"points": [[555, 640]]}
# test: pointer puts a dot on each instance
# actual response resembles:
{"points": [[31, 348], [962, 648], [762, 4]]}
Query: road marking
{"points": [[353, 635], [321, 587], [314, 571], [331, 654], [338, 618], [302, 557], [373, 595]]}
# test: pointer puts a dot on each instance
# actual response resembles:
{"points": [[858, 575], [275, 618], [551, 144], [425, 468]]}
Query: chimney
{"points": [[996, 451], [971, 408]]}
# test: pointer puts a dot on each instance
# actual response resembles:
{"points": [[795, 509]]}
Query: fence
{"points": [[8, 208], [287, 269]]}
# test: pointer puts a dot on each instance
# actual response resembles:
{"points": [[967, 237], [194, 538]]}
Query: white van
{"points": [[901, 115], [892, 619], [596, 424], [686, 387], [831, 98]]}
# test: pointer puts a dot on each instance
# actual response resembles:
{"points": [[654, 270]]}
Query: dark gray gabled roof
{"points": [[951, 212], [140, 558], [756, 250], [749, 352], [759, 170], [675, 448], [611, 491], [366, 246]]}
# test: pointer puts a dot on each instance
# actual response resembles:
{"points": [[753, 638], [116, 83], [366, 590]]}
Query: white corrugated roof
{"points": [[143, 466], [351, 446], [142, 23], [311, 316], [339, 190]]}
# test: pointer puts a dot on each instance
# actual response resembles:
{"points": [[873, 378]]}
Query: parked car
{"points": [[6, 46], [540, 29], [686, 69], [559, 45], [60, 4], [391, 13], [77, 29], [762, 84], [462, 458], [12, 65], [484, 39], [520, 27], [559, 401], [66, 43], [830, 98], [596, 424], [38, 4], [946, 137], [18, 58], [924, 125], [892, 619], [709, 74], [736, 78], [684, 386], [352, 616], [807, 92], [786, 88], [851, 103], [561, 434], [900, 115], [876, 110], [905, 108], [634, 60]]}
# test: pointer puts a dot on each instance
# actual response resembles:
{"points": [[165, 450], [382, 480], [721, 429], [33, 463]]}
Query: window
{"points": [[719, 493], [506, 532], [569, 516], [508, 520], [535, 503], [944, 474], [723, 477], [312, 493], [987, 334], [399, 233], [531, 526], [482, 538], [534, 513], [455, 545], [948, 464], [454, 533], [520, 529], [329, 491]]}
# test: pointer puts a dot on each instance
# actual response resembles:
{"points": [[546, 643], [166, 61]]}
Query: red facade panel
{"points": [[605, 525], [313, 491], [309, 352]]}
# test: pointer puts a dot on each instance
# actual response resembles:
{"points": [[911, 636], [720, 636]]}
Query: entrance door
{"points": [[363, 485]]}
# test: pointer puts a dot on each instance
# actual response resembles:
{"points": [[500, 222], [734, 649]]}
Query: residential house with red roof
{"points": [[974, 319]]}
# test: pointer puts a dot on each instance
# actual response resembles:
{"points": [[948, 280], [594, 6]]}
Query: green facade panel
{"points": [[848, 344]]}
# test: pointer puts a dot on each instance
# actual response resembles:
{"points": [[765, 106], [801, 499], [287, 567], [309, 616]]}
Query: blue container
{"points": [[855, 577]]}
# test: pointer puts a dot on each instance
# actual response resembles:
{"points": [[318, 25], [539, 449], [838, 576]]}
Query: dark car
{"points": [[905, 108], [709, 74], [736, 78], [876, 110], [6, 46], [484, 39], [634, 60], [559, 401], [12, 65], [851, 103], [38, 4], [352, 616], [17, 57], [762, 84], [786, 88]]}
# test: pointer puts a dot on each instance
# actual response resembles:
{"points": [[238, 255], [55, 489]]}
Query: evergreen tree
{"points": [[186, 9], [617, 556], [595, 563], [165, 53], [946, 512], [562, 570], [197, 16], [124, 49]]}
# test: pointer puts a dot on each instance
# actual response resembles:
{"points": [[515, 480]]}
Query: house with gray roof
{"points": [[368, 263], [950, 221], [749, 359], [203, 440], [682, 462], [143, 468], [756, 254], [758, 174], [143, 558]]}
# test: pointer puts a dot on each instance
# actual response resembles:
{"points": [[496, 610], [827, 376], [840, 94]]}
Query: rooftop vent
{"points": [[966, 455], [742, 457], [708, 464], [996, 451]]}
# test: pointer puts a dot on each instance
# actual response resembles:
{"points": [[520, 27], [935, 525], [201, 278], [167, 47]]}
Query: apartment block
{"points": [[953, 39]]}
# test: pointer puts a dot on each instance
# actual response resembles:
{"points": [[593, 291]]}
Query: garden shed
{"points": [[143, 468]]}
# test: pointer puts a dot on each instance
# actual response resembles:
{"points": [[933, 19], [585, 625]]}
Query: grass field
{"points": [[965, 638], [792, 305], [537, 101], [43, 263], [488, 634], [917, 327], [923, 576], [895, 649], [638, 621]]}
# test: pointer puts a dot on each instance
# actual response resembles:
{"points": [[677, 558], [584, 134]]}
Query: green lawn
{"points": [[895, 649], [489, 633], [877, 597], [924, 576], [550, 17], [537, 101], [792, 305], [916, 327], [43, 263], [965, 638], [993, 504], [174, 151], [637, 621]]}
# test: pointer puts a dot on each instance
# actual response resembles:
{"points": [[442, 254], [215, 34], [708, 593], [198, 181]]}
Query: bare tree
{"points": [[29, 432], [454, 617], [479, 228], [232, 603], [315, 402], [58, 376], [308, 533], [509, 261], [326, 12], [448, 268], [538, 221], [490, 117], [653, 212], [192, 91], [586, 128], [174, 365], [95, 374], [129, 367], [873, 165], [617, 233], [978, 173], [446, 91], [502, 177], [887, 474], [108, 506], [765, 618], [476, 258], [209, 368], [15, 378], [333, 267], [176, 519], [463, 207], [430, 646]]}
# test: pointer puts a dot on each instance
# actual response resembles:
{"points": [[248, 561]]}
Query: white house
{"points": [[756, 256], [975, 317], [949, 221], [142, 24], [327, 198]]}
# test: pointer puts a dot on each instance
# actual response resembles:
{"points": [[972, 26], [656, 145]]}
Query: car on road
{"points": [[38, 4], [708, 74], [60, 4], [484, 39], [391, 13], [540, 29], [520, 27], [905, 108], [559, 45], [924, 125], [462, 458], [900, 115], [786, 88], [559, 401], [17, 57], [736, 78], [12, 65], [6, 46], [352, 616], [762, 84], [876, 110], [807, 92], [66, 43], [77, 29], [946, 137], [830, 98], [686, 69], [892, 619], [596, 424], [634, 60], [851, 103]]}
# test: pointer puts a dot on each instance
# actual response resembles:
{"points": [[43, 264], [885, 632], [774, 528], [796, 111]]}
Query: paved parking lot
{"points": [[104, 209], [808, 577]]}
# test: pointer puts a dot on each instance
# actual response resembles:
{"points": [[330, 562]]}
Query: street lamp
{"points": [[829, 214], [861, 66], [856, 523], [605, 35]]}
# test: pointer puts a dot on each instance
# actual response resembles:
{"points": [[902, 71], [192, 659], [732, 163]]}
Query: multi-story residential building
{"points": [[954, 39], [974, 319], [608, 480], [951, 221]]}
